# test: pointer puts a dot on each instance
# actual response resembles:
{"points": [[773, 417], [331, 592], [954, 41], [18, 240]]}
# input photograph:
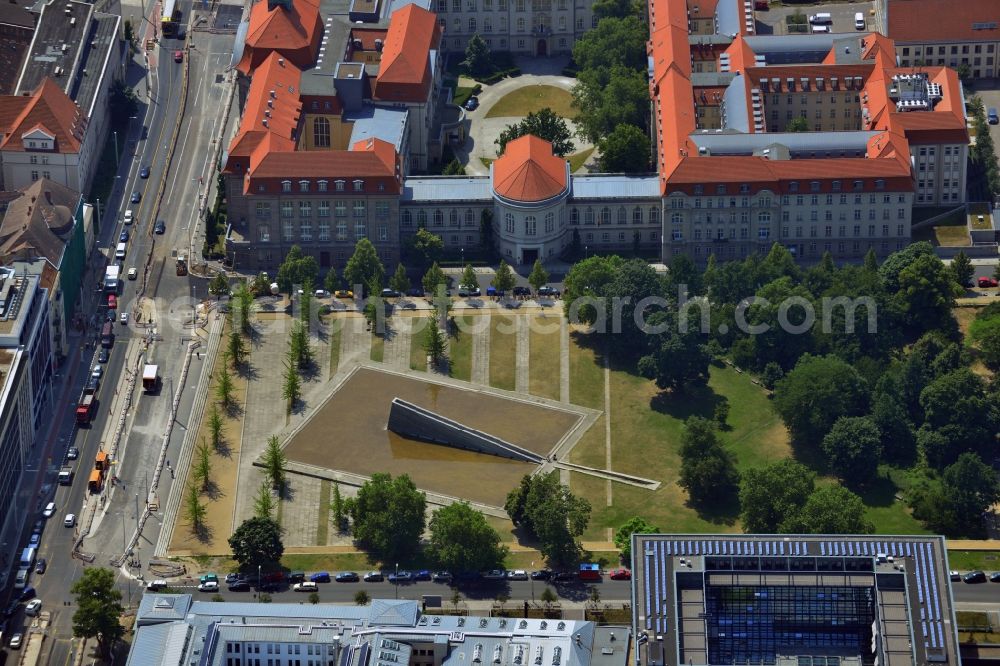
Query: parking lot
{"points": [[772, 21], [989, 92]]}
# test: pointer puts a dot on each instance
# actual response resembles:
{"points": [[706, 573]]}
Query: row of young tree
{"points": [[895, 390]]}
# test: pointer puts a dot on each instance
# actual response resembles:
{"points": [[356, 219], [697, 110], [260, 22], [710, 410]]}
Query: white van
{"points": [[822, 18], [128, 216], [820, 29], [859, 21], [120, 251]]}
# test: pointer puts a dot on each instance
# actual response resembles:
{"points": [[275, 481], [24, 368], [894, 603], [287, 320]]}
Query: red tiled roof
{"points": [[944, 124], [48, 109], [529, 171], [942, 20], [293, 31], [281, 112], [367, 165], [405, 69], [811, 72], [383, 150]]}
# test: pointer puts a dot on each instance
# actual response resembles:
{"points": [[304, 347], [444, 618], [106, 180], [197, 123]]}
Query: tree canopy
{"points": [[623, 537], [547, 510], [853, 447], [462, 540], [708, 470], [478, 58], [388, 517], [610, 97], [364, 268], [98, 608], [296, 270], [257, 542], [769, 495], [625, 150], [544, 124], [818, 391], [831, 510]]}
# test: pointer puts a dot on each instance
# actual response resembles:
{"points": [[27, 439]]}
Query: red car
{"points": [[761, 5], [987, 282], [178, 56], [112, 301], [621, 574]]}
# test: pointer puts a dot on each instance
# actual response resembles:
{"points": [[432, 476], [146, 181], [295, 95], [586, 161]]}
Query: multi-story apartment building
{"points": [[56, 122], [26, 365], [945, 34], [523, 27], [175, 629]]}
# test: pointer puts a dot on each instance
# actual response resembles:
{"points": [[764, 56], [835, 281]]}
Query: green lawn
{"points": [[418, 357], [970, 560], [503, 348], [577, 160], [378, 348], [335, 347], [529, 99], [460, 349], [543, 357]]}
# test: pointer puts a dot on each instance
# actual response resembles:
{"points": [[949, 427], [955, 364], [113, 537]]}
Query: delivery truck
{"points": [[150, 378]]}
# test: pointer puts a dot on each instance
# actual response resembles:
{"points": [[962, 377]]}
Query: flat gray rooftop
{"points": [[60, 38]]}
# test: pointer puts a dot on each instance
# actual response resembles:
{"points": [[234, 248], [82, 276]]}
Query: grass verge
{"points": [[577, 160], [503, 351], [460, 349], [543, 356], [972, 560], [378, 348]]}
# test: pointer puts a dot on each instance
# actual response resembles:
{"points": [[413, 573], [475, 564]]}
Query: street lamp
{"points": [[258, 583], [463, 257], [531, 577], [117, 156], [395, 580]]}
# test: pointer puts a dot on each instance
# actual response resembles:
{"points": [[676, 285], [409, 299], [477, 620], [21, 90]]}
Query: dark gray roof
{"points": [[101, 48]]}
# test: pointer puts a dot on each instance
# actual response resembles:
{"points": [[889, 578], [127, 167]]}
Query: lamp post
{"points": [[258, 583], [532, 579], [117, 156], [395, 580]]}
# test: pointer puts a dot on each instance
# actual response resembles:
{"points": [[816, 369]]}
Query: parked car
{"points": [[209, 586], [464, 291], [954, 575], [144, 172], [306, 586], [123, 236], [346, 577], [35, 539], [33, 607], [112, 302], [551, 292], [564, 577], [416, 292], [495, 574], [472, 103], [324, 577], [995, 577], [12, 608], [28, 593], [423, 574], [987, 282], [238, 585], [621, 574], [761, 5], [208, 578], [50, 509], [97, 372], [128, 219], [389, 293], [992, 117], [344, 293], [296, 576], [400, 577], [522, 291], [517, 574], [158, 584], [16, 640], [374, 577], [541, 574], [441, 577], [160, 227], [102, 357], [136, 197], [233, 577], [974, 577], [41, 565]]}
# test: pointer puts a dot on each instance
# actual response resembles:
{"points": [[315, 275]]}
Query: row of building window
{"points": [[34, 159], [530, 224], [45, 174], [793, 186], [305, 232], [340, 185], [278, 648], [765, 232], [976, 48], [677, 202], [764, 217], [811, 250], [287, 209], [538, 25], [789, 99]]}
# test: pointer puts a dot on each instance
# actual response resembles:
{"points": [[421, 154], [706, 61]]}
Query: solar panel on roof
{"points": [[940, 635], [908, 549], [822, 548]]}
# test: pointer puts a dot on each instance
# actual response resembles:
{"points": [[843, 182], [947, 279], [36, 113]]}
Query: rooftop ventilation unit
{"points": [[556, 655], [477, 654], [497, 654]]}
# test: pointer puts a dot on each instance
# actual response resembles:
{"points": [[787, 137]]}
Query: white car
{"points": [[50, 509], [123, 318], [97, 372], [70, 520], [517, 574], [307, 586], [33, 607], [128, 216], [208, 586], [133, 273], [15, 641]]}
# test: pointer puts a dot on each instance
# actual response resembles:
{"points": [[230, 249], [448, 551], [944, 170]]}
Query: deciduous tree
{"points": [[433, 278], [215, 427], [544, 124], [274, 462], [388, 517], [194, 509], [708, 470], [263, 503], [768, 495], [478, 58], [831, 510], [257, 542], [224, 389], [817, 392], [853, 448], [203, 466], [399, 281], [296, 269], [434, 343], [538, 276], [98, 608], [364, 269], [625, 150], [331, 282], [623, 537], [462, 540], [551, 513], [503, 280]]}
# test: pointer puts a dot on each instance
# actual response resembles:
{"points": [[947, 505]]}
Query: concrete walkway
{"points": [[355, 341], [563, 360], [397, 344], [480, 354]]}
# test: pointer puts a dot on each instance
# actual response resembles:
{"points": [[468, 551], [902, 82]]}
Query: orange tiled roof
{"points": [[942, 20], [405, 70], [263, 115], [48, 109], [529, 171], [292, 28]]}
